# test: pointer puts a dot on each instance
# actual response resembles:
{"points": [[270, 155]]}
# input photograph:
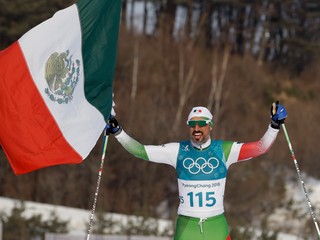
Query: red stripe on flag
{"points": [[29, 134]]}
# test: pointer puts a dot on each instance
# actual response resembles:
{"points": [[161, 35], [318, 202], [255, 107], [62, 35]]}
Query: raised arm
{"points": [[255, 149], [246, 151], [166, 153]]}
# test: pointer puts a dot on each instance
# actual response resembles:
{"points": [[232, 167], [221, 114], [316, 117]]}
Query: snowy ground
{"points": [[294, 214], [291, 217], [78, 219]]}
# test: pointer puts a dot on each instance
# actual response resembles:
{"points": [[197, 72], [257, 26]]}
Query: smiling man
{"points": [[201, 165], [200, 123]]}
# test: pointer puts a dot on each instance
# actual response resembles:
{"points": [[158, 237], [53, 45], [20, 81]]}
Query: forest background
{"points": [[233, 56]]}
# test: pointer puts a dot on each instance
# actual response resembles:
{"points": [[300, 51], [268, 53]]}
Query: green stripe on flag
{"points": [[100, 20]]}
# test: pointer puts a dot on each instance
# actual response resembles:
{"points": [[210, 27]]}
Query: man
{"points": [[201, 165]]}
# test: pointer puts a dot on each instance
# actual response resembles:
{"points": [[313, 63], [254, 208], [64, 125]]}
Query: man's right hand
{"points": [[113, 126]]}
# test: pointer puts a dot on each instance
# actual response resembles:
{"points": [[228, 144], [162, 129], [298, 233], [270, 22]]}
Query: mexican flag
{"points": [[56, 86]]}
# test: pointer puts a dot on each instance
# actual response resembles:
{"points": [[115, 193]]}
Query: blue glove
{"points": [[113, 126], [278, 115]]}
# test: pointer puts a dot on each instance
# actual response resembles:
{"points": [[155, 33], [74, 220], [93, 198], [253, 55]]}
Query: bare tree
{"points": [[135, 69], [186, 85], [218, 78], [145, 17]]}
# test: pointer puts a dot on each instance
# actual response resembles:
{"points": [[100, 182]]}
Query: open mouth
{"points": [[197, 134]]}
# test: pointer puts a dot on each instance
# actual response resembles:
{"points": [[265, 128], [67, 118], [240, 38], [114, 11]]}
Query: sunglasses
{"points": [[201, 123]]}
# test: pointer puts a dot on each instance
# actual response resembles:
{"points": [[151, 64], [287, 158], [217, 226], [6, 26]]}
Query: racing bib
{"points": [[201, 180]]}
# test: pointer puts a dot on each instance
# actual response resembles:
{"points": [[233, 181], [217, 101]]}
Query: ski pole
{"points": [[105, 142], [301, 181]]}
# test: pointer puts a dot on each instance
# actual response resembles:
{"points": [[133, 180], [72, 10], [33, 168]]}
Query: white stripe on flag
{"points": [[80, 123]]}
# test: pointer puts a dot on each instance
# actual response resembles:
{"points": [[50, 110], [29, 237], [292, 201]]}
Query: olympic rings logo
{"points": [[200, 164]]}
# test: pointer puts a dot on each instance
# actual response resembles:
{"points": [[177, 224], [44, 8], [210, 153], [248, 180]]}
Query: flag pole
{"points": [[301, 180], [105, 142]]}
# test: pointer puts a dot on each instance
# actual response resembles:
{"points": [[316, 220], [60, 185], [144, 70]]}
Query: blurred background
{"points": [[235, 57]]}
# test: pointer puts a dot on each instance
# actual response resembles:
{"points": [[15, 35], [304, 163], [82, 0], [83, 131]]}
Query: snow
{"points": [[295, 213], [78, 219], [292, 217]]}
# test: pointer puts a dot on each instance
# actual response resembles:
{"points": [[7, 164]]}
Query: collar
{"points": [[201, 146]]}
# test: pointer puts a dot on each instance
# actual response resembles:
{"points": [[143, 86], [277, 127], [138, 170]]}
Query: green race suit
{"points": [[189, 228]]}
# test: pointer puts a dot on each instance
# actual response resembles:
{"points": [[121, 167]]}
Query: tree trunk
{"points": [[124, 12], [186, 85], [145, 16], [217, 81], [135, 70]]}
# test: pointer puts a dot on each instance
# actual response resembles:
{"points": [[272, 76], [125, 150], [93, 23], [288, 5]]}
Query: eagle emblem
{"points": [[62, 75]]}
